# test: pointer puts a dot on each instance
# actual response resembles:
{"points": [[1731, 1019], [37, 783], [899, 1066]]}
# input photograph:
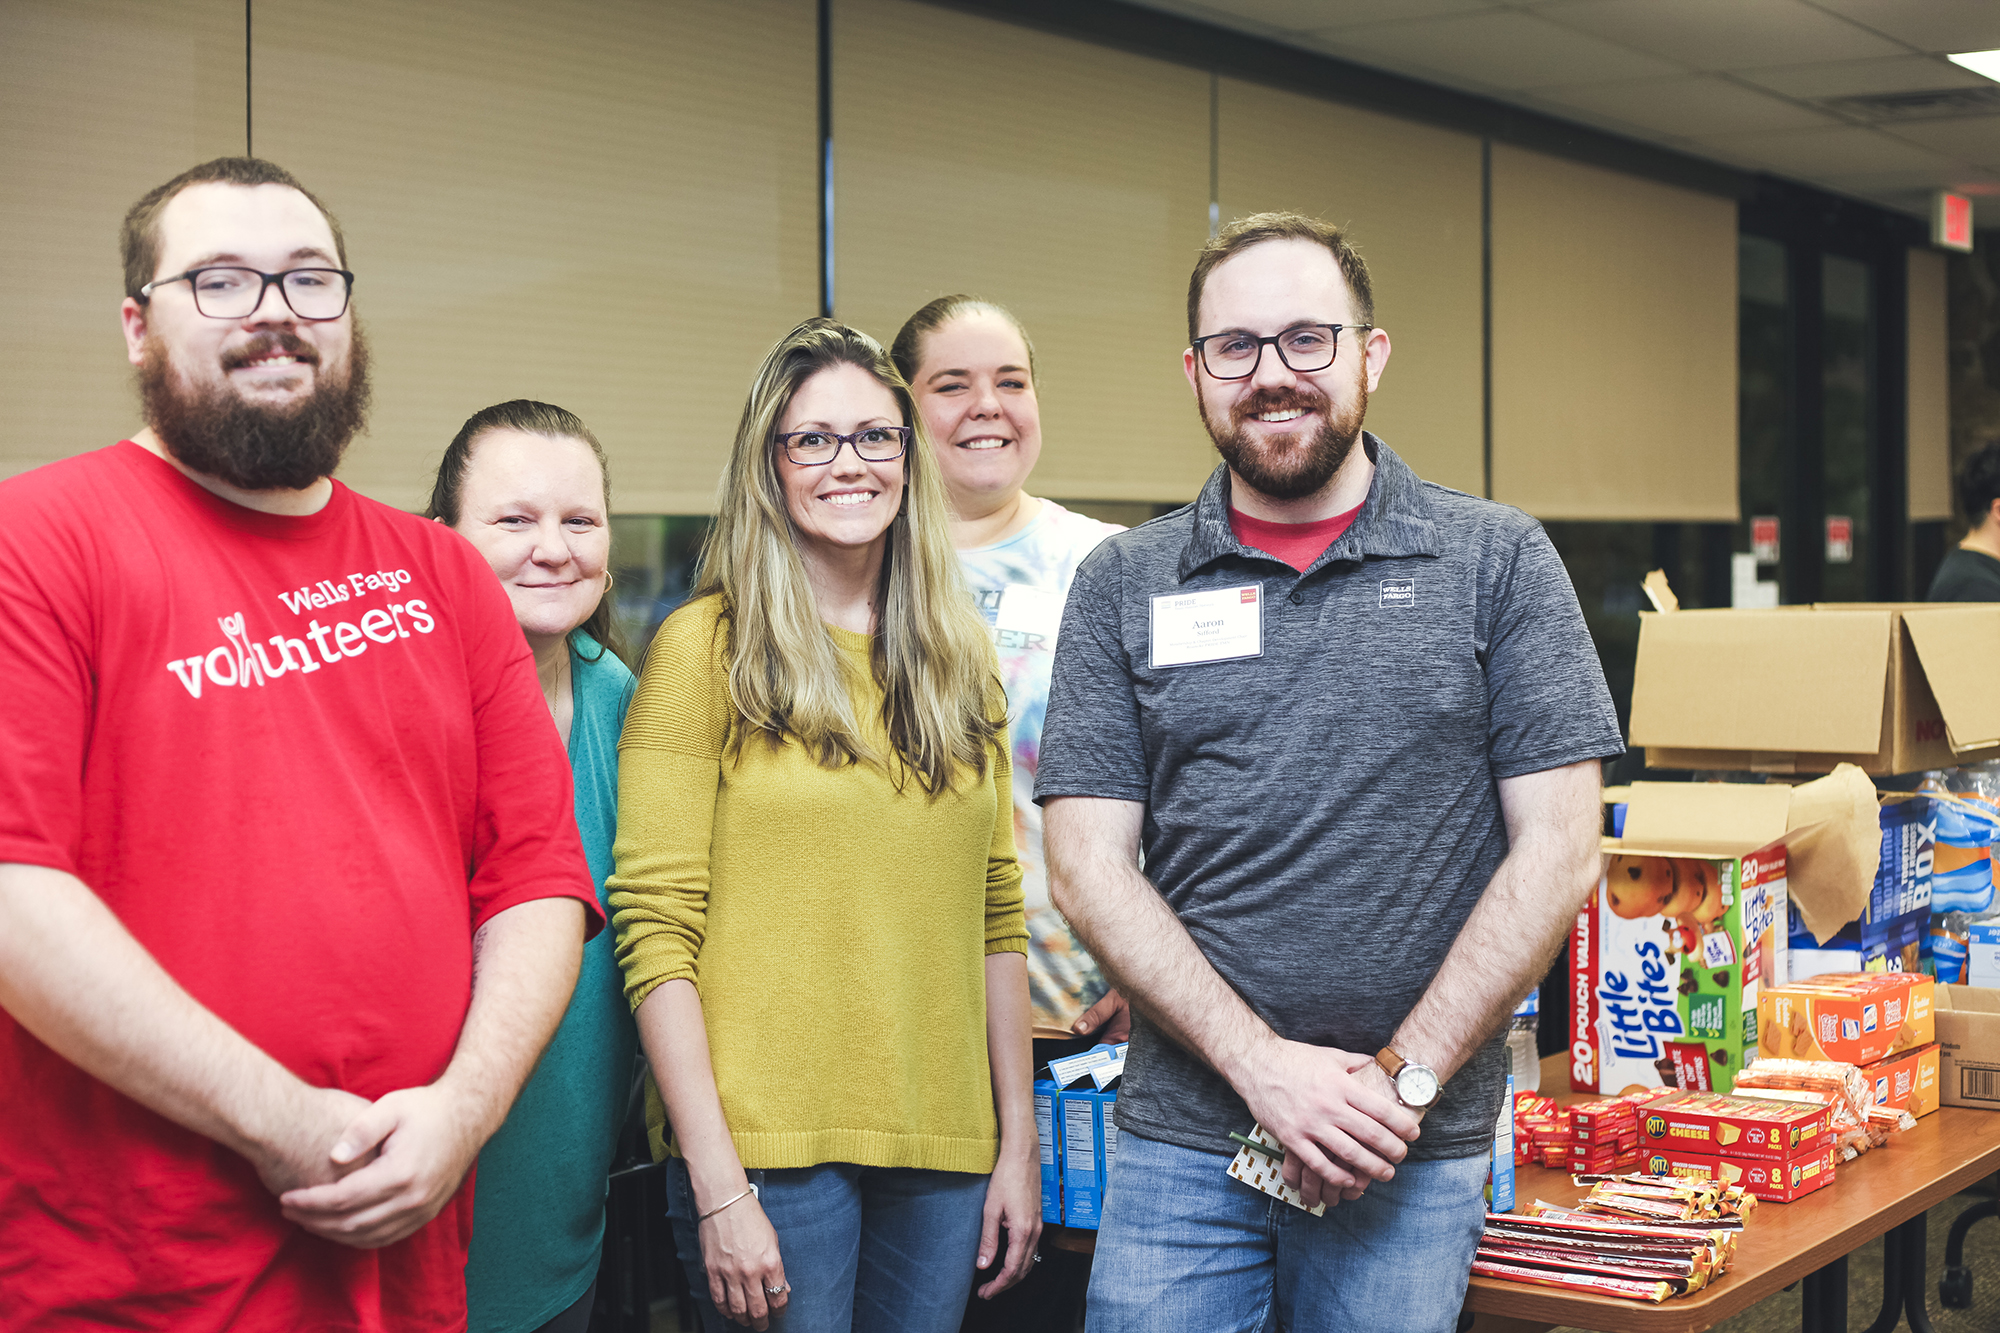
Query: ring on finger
{"points": [[778, 1291]]}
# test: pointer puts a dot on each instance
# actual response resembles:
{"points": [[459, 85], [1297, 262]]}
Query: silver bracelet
{"points": [[725, 1203]]}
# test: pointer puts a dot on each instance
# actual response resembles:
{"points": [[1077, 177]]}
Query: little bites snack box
{"points": [[1855, 1018], [1689, 920]]}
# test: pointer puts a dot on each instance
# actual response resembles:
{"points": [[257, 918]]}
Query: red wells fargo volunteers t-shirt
{"points": [[303, 760], [1297, 544]]}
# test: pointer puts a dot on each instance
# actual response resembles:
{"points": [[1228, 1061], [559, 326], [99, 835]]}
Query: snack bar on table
{"points": [[1602, 1254], [1663, 1199]]}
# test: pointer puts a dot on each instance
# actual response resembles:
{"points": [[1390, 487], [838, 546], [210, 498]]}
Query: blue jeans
{"points": [[1183, 1246], [864, 1247]]}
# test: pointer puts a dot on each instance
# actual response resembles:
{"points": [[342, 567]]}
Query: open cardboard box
{"points": [[1968, 1036], [1892, 688]]}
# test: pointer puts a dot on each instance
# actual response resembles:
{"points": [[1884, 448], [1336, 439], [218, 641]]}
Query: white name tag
{"points": [[1213, 626], [1028, 610]]}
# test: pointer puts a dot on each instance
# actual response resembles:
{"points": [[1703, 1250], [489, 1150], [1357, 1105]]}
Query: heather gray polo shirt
{"points": [[1323, 817]]}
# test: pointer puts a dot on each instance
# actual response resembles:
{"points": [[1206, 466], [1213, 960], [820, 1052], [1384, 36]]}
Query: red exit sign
{"points": [[1951, 221]]}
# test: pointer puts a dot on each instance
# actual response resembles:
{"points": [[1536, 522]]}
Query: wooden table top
{"points": [[1948, 1151]]}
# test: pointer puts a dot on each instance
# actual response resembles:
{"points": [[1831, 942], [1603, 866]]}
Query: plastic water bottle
{"points": [[1522, 1057]]}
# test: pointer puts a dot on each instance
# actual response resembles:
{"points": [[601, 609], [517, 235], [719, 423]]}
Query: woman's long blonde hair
{"points": [[932, 655]]}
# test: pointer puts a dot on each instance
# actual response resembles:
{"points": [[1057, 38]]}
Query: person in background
{"points": [[817, 899], [290, 894], [971, 366], [1971, 573], [526, 484]]}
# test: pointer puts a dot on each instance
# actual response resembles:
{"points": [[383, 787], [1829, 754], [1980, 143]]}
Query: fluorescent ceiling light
{"points": [[1985, 63]]}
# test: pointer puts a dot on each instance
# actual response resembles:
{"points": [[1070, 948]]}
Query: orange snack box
{"points": [[1741, 1127], [1855, 1018], [1907, 1081], [1775, 1181]]}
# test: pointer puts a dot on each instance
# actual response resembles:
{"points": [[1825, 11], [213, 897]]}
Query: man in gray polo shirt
{"points": [[1353, 720]]}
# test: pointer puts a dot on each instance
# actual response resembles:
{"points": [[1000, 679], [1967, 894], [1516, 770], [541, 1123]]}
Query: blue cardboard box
{"points": [[1089, 1145], [1898, 945], [1046, 1092], [1892, 933], [1500, 1166], [1081, 1141]]}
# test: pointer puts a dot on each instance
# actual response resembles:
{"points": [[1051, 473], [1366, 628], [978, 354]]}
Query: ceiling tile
{"points": [[1495, 50], [1818, 154], [1928, 25], [1862, 78], [1687, 106], [1971, 139], [1723, 34]]}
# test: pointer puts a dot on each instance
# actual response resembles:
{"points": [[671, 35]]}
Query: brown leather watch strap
{"points": [[1390, 1061]]}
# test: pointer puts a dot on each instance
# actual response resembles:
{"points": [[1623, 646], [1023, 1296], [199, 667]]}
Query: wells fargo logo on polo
{"points": [[241, 659]]}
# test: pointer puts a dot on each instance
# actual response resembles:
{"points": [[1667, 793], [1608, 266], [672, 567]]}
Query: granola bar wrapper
{"points": [[1631, 1289]]}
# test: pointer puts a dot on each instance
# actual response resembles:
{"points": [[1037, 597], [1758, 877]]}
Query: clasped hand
{"points": [[1336, 1114], [368, 1174]]}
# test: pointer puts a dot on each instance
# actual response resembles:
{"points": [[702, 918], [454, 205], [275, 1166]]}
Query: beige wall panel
{"points": [[100, 101], [1064, 180], [1614, 344], [609, 206], [1929, 400], [1409, 198]]}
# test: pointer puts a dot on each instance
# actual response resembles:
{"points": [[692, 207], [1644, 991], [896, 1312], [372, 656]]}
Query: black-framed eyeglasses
{"points": [[874, 444], [1303, 348], [234, 293]]}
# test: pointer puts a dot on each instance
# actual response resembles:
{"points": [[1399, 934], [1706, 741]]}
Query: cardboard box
{"points": [[1738, 1127], [1968, 1036], [1089, 1146], [1855, 1018], [1771, 1181], [1667, 957], [1893, 688], [1046, 1092], [1907, 1081]]}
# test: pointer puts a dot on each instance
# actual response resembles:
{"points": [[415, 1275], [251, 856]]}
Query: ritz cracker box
{"points": [[1688, 920]]}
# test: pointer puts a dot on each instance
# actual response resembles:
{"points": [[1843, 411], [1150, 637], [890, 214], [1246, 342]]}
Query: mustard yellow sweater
{"points": [[836, 929]]}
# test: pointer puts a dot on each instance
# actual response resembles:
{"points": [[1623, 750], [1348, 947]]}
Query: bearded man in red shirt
{"points": [[290, 893]]}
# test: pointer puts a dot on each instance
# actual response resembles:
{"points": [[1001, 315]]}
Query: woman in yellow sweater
{"points": [[817, 902]]}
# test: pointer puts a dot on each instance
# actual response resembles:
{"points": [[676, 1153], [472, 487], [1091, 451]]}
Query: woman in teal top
{"points": [[525, 483]]}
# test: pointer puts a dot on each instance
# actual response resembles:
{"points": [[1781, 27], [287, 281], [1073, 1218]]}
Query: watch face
{"points": [[1416, 1086]]}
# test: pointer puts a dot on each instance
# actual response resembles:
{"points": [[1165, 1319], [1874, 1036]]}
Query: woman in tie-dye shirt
{"points": [[972, 368]]}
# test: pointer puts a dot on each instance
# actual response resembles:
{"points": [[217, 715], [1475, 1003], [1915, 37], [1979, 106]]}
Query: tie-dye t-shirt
{"points": [[1021, 584]]}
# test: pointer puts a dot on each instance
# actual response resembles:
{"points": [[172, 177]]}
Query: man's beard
{"points": [[212, 429], [1288, 467]]}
